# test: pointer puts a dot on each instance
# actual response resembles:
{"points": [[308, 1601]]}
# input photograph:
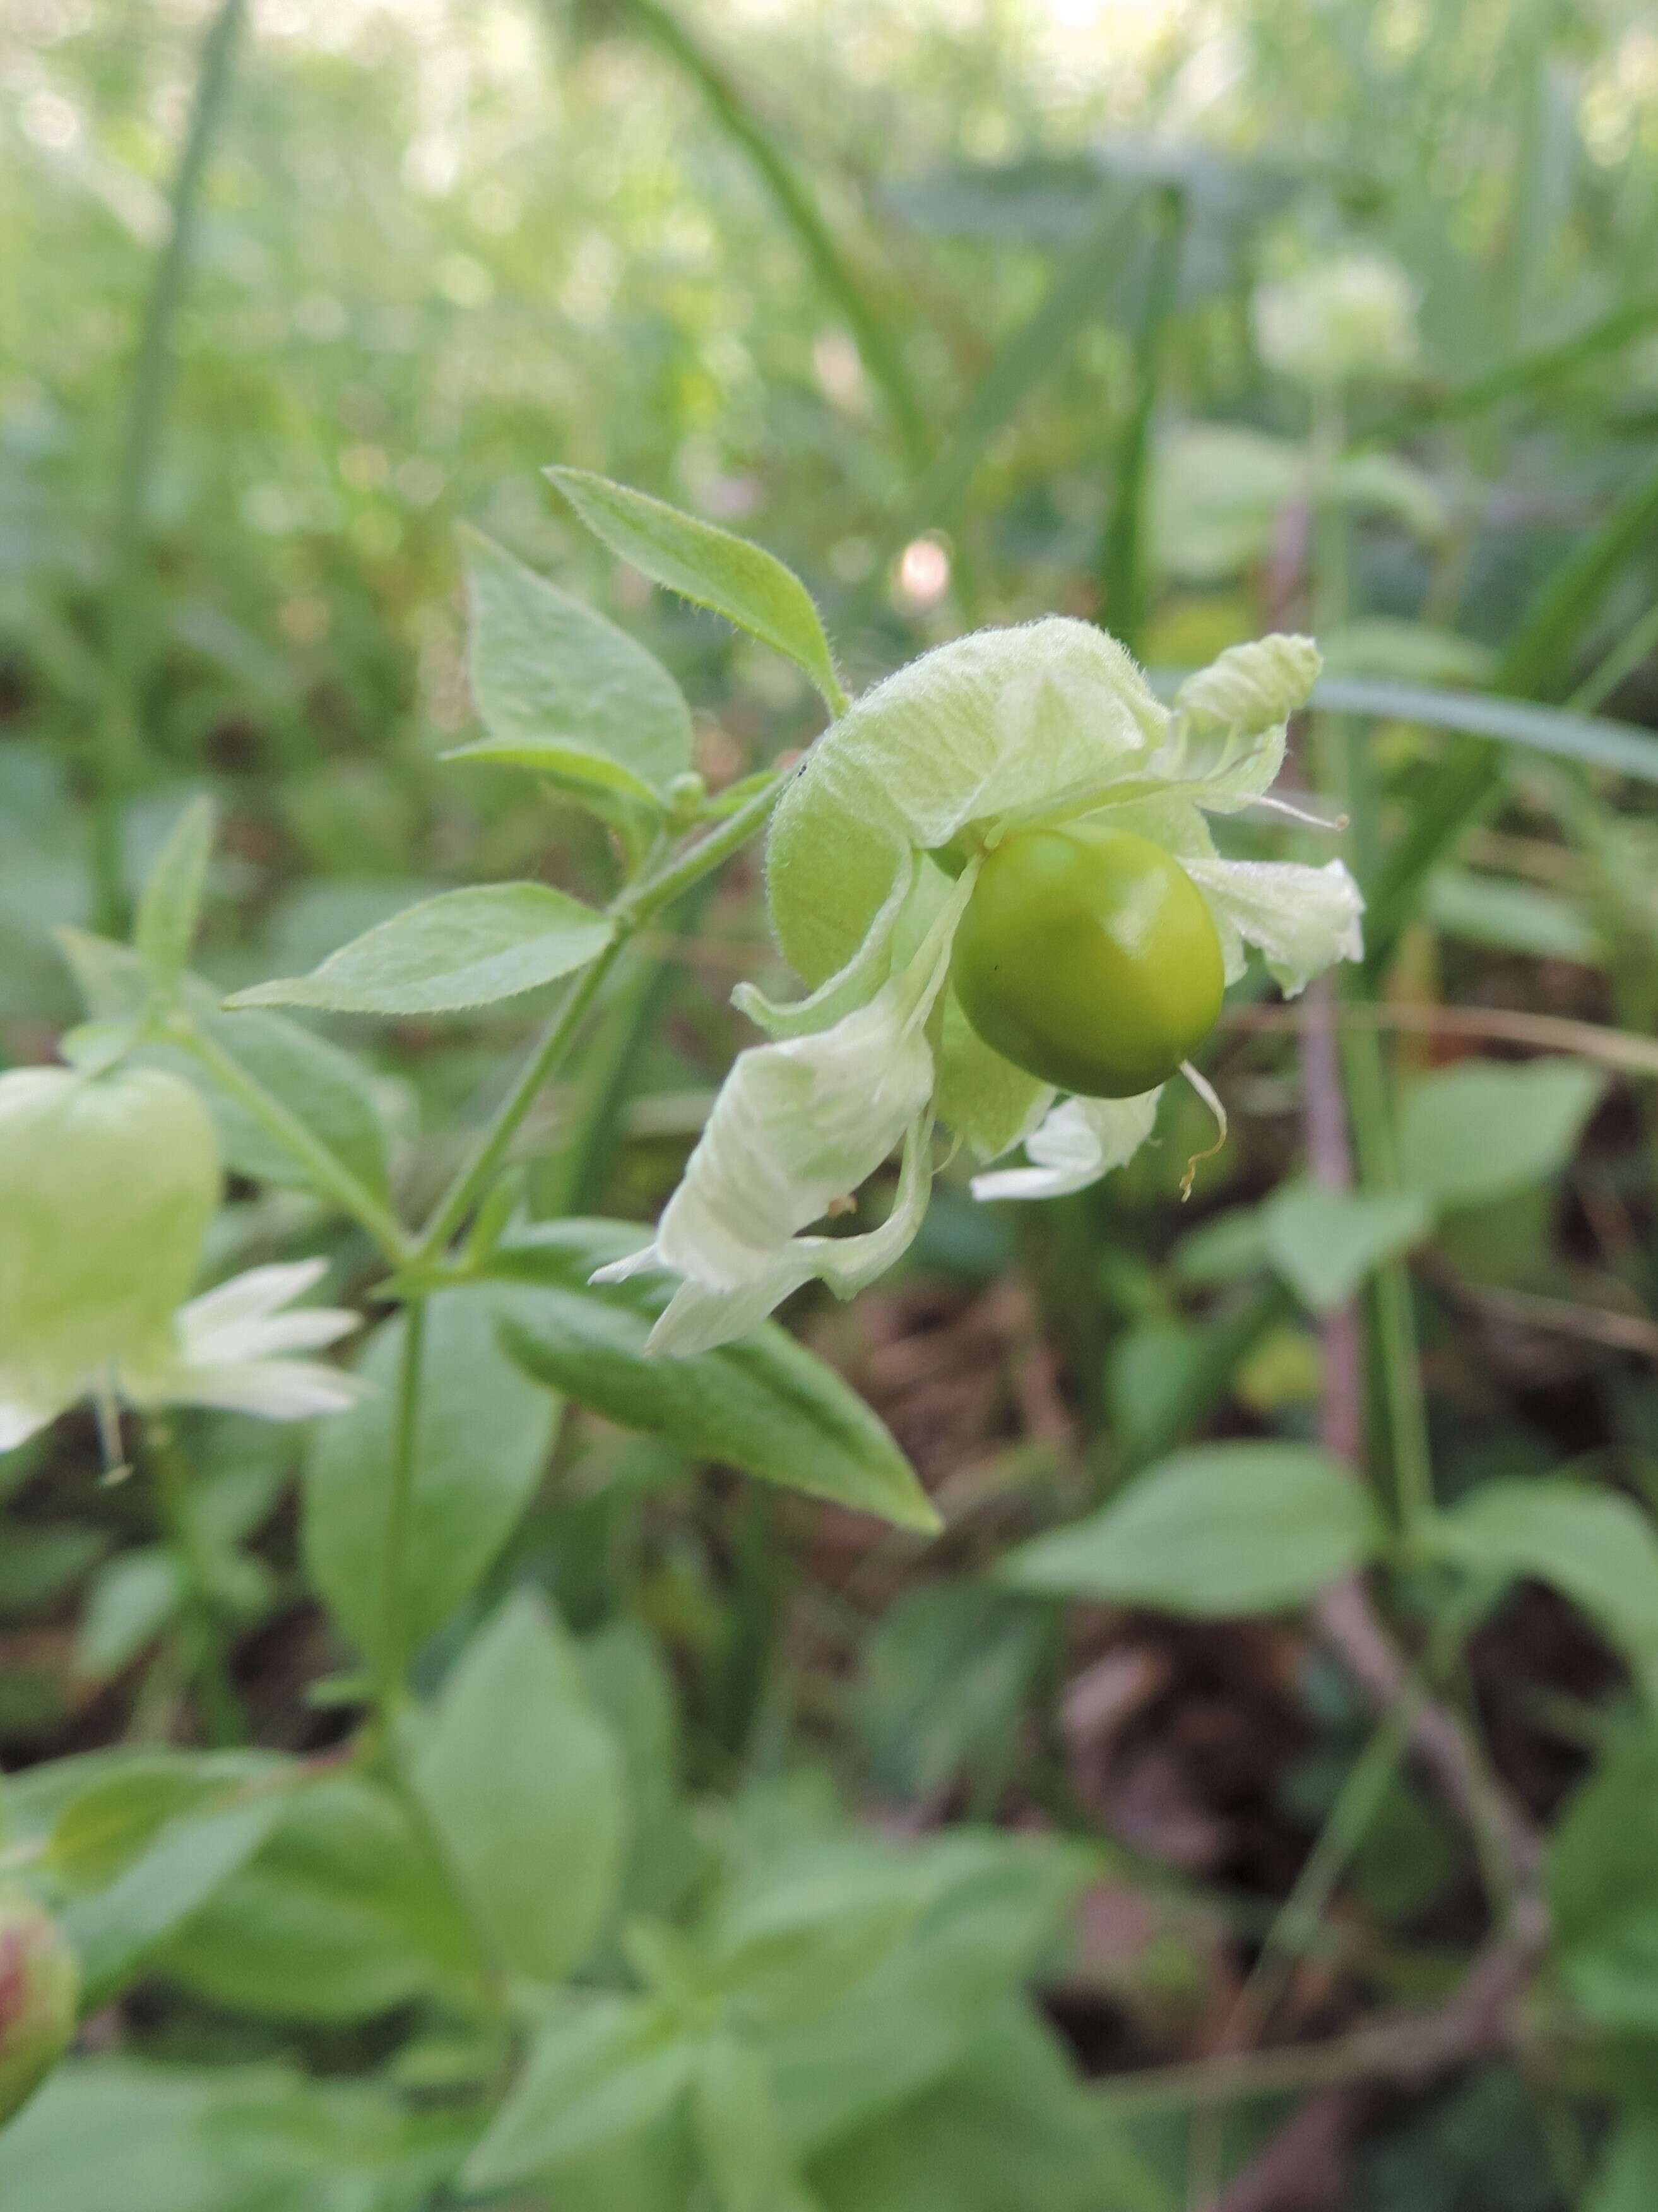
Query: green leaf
{"points": [[1595, 1546], [946, 1674], [1483, 1129], [1325, 1242], [766, 1404], [563, 691], [629, 1684], [170, 905], [783, 1949], [1509, 917], [1000, 1903], [1223, 1529], [465, 948], [322, 1086], [482, 1437], [122, 2135], [341, 1914], [738, 2131], [742, 581], [1010, 2126], [605, 2069], [1597, 742], [127, 1604], [524, 1783], [1601, 1880], [116, 1929], [1627, 2177], [106, 1827]]}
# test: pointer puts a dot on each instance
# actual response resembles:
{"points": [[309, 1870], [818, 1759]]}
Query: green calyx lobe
{"points": [[1089, 957]]}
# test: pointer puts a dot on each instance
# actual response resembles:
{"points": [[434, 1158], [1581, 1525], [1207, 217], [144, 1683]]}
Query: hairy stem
{"points": [[325, 1169], [630, 911]]}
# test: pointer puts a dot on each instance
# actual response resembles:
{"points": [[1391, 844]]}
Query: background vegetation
{"points": [[1346, 1897]]}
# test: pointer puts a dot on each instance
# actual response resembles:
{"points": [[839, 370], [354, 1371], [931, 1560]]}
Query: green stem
{"points": [[222, 1716], [392, 1654], [1343, 767], [630, 911], [118, 736], [1122, 559], [325, 1169]]}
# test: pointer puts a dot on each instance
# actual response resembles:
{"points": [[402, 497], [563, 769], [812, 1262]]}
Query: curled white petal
{"points": [[798, 1124], [1081, 1141], [849, 986], [1304, 919], [697, 1318], [1225, 742]]}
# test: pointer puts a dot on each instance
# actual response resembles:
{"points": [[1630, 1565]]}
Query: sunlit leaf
{"points": [[740, 580], [465, 948]]}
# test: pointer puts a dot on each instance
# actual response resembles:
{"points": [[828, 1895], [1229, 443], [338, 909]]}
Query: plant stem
{"points": [[391, 1656], [118, 735], [222, 1716], [630, 911], [326, 1169], [1122, 558], [1397, 1352]]}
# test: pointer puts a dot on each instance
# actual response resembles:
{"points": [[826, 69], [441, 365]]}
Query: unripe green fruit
{"points": [[40, 1984], [107, 1184], [1089, 957]]}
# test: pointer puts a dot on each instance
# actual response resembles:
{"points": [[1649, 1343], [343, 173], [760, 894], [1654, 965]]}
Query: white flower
{"points": [[229, 1348], [1352, 316], [234, 1345], [872, 858]]}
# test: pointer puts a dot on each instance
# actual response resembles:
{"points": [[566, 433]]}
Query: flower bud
{"points": [[106, 1187], [40, 1982]]}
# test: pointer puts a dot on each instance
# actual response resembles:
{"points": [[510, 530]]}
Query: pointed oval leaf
{"points": [[604, 2068], [170, 903], [465, 948], [561, 690], [1223, 1529], [1475, 1131], [1325, 1242], [740, 580], [342, 1913], [1595, 1546], [524, 1782], [765, 1404]]}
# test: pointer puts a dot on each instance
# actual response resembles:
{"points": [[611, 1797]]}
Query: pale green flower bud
{"points": [[107, 1184], [39, 1984], [1354, 316]]}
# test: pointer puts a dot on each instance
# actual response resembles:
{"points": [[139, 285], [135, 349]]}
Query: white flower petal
{"points": [[1225, 743], [240, 1320], [259, 1290], [20, 1420], [698, 1319], [1303, 919], [275, 1389], [849, 986], [1081, 1141], [800, 1123]]}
